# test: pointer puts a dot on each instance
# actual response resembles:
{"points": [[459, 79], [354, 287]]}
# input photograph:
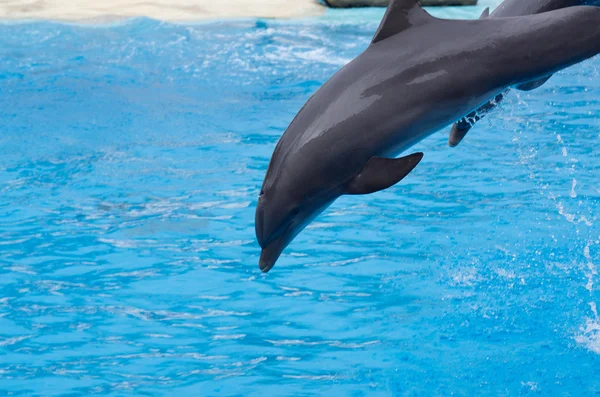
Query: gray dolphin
{"points": [[419, 75], [511, 8]]}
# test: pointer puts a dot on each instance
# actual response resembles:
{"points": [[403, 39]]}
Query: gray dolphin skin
{"points": [[419, 75], [511, 8]]}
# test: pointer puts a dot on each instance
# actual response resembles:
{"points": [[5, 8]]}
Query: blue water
{"points": [[131, 156]]}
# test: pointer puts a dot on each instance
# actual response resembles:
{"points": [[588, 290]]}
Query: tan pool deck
{"points": [[168, 10]]}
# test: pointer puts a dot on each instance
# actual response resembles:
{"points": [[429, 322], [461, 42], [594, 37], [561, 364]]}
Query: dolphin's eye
{"points": [[296, 211]]}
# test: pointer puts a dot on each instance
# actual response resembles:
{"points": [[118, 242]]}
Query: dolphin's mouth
{"points": [[271, 253], [274, 246], [267, 259]]}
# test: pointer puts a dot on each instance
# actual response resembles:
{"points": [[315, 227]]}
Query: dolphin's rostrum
{"points": [[419, 75]]}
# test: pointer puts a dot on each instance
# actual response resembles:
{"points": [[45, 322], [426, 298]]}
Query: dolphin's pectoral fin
{"points": [[532, 85], [485, 14], [464, 125], [400, 15], [459, 131], [381, 173]]}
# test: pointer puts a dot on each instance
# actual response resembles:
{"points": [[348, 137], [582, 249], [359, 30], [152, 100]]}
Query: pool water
{"points": [[131, 157]]}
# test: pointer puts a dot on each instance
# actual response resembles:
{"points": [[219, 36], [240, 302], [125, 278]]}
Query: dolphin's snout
{"points": [[266, 262], [271, 252], [260, 227], [265, 232], [269, 224], [272, 235]]}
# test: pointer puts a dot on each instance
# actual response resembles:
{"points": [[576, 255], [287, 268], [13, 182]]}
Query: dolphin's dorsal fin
{"points": [[485, 14], [400, 15], [381, 173]]}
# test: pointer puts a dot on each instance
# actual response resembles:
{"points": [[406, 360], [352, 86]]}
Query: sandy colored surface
{"points": [[170, 10]]}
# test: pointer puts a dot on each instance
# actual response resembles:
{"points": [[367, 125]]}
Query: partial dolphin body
{"points": [[419, 75], [511, 8]]}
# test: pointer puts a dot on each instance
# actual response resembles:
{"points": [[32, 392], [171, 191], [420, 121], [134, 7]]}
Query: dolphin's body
{"points": [[419, 75], [511, 8]]}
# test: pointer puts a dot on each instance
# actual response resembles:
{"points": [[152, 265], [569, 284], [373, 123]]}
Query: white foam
{"points": [[591, 273], [573, 193], [590, 335]]}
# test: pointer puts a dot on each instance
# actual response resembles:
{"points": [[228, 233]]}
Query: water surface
{"points": [[131, 157]]}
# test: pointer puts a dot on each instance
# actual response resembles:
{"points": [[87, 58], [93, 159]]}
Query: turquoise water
{"points": [[131, 157]]}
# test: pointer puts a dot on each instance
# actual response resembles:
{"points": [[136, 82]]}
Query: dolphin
{"points": [[511, 8], [418, 75]]}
